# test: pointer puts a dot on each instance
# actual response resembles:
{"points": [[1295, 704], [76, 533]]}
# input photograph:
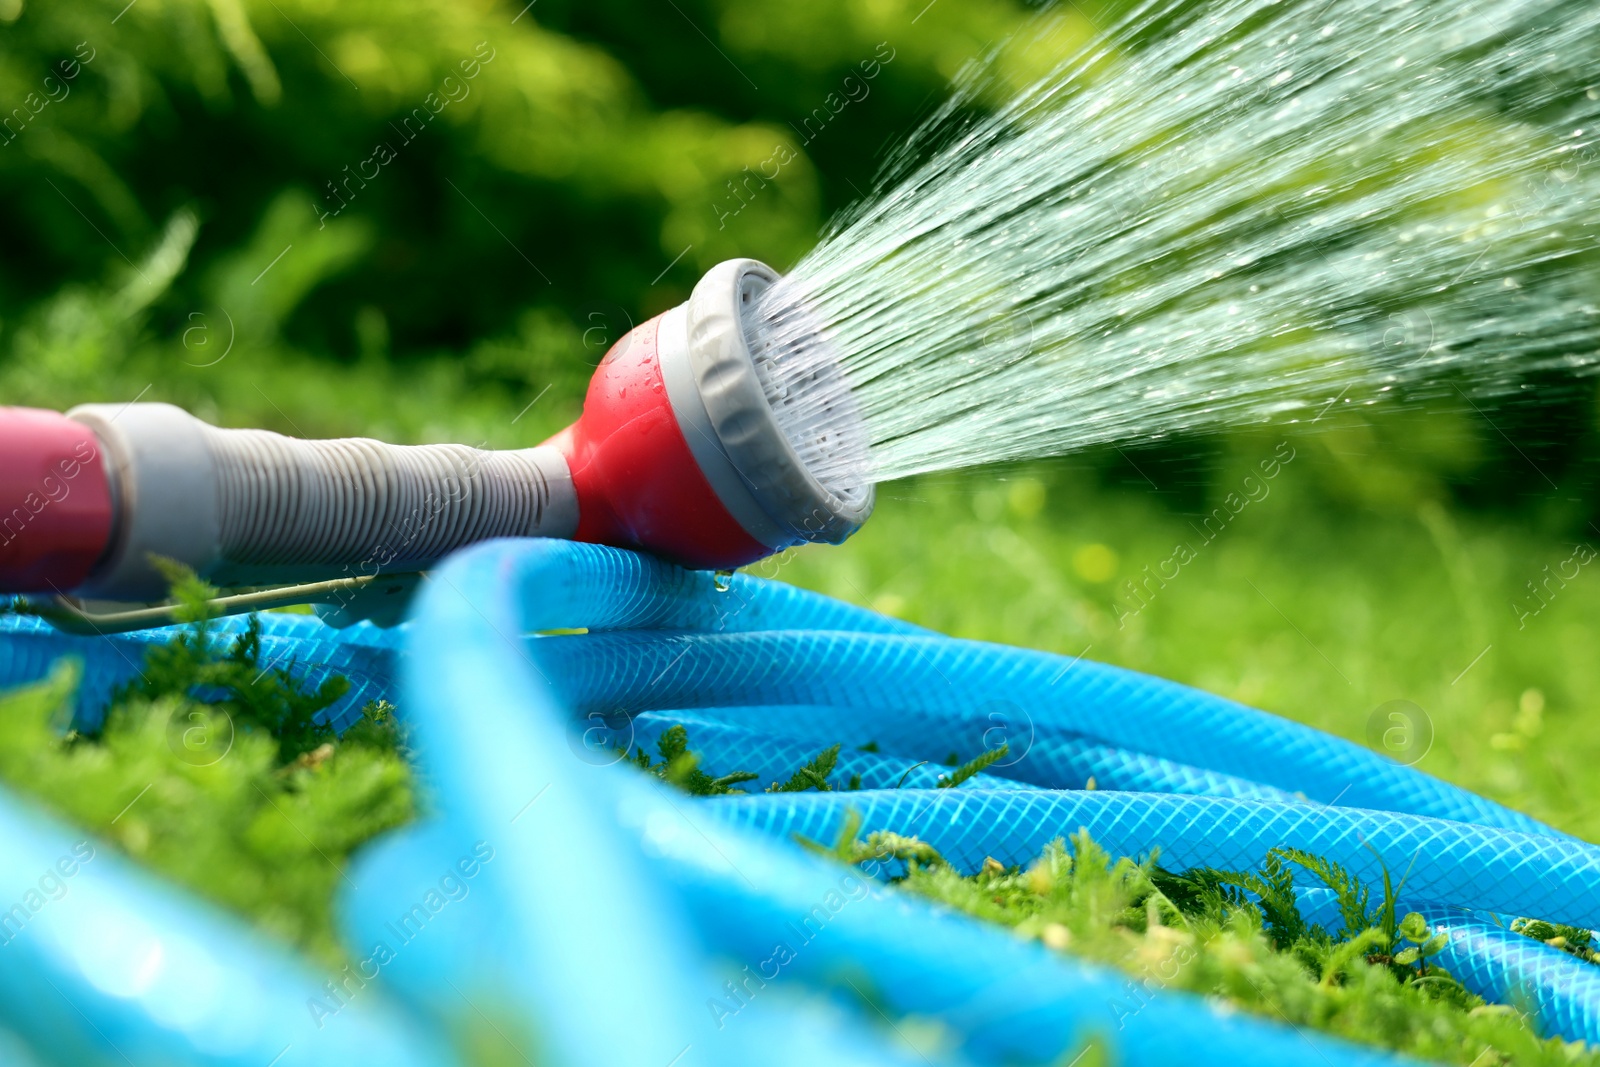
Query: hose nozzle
{"points": [[694, 444], [690, 444]]}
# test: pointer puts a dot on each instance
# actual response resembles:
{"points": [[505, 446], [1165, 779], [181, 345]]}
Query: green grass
{"points": [[1237, 935], [239, 796], [681, 767]]}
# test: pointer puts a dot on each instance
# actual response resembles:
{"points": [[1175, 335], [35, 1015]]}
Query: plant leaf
{"points": [[972, 767]]}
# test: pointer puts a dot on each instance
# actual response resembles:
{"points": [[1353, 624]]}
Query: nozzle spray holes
{"points": [[601, 740], [199, 737], [1400, 730], [1009, 726]]}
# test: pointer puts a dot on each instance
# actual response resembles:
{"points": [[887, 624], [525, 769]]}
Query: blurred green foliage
{"points": [[483, 195]]}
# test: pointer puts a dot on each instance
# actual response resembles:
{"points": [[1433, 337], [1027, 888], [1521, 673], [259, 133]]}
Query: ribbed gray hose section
{"points": [[282, 500]]}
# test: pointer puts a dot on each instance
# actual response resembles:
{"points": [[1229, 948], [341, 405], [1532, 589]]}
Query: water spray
{"points": [[690, 446]]}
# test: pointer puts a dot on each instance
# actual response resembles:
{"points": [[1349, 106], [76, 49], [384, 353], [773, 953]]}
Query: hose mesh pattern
{"points": [[888, 676], [1501, 966], [1034, 757], [314, 652], [1447, 862], [355, 501], [725, 749], [1508, 968]]}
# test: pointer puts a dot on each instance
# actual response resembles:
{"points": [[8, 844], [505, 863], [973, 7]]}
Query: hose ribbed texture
{"points": [[609, 892], [1059, 761], [1501, 966], [1444, 862], [937, 676], [282, 500]]}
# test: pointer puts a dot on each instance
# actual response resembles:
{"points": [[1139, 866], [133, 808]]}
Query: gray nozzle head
{"points": [[771, 412]]}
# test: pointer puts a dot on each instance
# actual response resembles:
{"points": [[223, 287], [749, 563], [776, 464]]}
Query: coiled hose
{"points": [[606, 897]]}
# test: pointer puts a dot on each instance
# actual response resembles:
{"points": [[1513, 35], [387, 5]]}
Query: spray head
{"points": [[693, 442], [698, 442]]}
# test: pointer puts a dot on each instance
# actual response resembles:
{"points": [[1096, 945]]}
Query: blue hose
{"points": [[1441, 862], [722, 750], [1561, 991], [1502, 967], [711, 935], [102, 964], [361, 654], [890, 675], [1032, 757]]}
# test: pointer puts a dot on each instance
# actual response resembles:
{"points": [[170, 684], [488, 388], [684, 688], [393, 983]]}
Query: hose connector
{"points": [[256, 508]]}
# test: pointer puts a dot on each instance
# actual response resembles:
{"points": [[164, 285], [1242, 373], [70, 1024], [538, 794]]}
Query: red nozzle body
{"points": [[56, 502], [637, 482]]}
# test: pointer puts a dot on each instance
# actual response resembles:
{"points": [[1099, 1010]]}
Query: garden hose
{"points": [[701, 923], [773, 758], [1061, 761], [1443, 862], [891, 681], [102, 963]]}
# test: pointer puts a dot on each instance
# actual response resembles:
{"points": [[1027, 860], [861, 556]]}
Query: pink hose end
{"points": [[55, 501]]}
